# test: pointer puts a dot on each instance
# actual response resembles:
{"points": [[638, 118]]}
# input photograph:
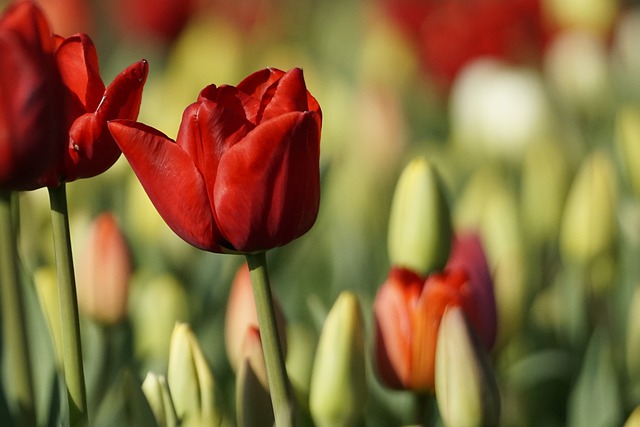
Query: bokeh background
{"points": [[529, 110]]}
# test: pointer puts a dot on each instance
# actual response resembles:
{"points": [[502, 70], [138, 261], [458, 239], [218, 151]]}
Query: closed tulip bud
{"points": [[419, 223], [545, 180], [466, 387], [634, 418], [596, 16], [253, 401], [589, 220], [338, 384], [104, 272], [628, 140], [47, 288], [241, 315], [190, 379], [156, 391]]}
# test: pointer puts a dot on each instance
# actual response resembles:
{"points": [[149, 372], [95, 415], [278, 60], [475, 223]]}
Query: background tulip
{"points": [[244, 167]]}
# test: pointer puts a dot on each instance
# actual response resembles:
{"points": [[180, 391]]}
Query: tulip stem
{"points": [[424, 409], [16, 344], [71, 345], [281, 396]]}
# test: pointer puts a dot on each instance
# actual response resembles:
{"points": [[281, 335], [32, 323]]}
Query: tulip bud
{"points": [[592, 15], [157, 303], [634, 418], [419, 222], [253, 401], [104, 272], [47, 288], [300, 353], [190, 379], [156, 391], [466, 387], [241, 315], [589, 222], [628, 140], [545, 178], [338, 383]]}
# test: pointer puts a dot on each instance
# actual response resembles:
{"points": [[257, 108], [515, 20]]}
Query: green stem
{"points": [[71, 346], [423, 408], [279, 388], [16, 344]]}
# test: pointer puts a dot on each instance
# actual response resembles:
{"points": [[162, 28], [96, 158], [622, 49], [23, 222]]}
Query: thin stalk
{"points": [[71, 345], [423, 409], [279, 388], [16, 343]]}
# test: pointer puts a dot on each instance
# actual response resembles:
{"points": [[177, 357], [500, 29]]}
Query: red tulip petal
{"points": [[171, 181], [255, 86], [267, 189], [28, 21], [123, 96], [77, 61], [393, 327], [290, 94]]}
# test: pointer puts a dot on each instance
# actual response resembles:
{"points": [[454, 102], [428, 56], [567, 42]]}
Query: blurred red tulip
{"points": [[450, 34], [30, 117], [155, 20], [68, 16], [244, 172], [54, 114], [408, 311], [104, 272]]}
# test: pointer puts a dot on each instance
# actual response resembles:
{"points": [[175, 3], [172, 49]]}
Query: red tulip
{"points": [[54, 108], [157, 20], [243, 174], [408, 311], [30, 120]]}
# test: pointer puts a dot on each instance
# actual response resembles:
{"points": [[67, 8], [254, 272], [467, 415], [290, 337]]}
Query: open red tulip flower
{"points": [[243, 174], [408, 310], [54, 106]]}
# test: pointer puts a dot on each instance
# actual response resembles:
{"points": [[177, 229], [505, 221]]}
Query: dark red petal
{"points": [[267, 190], [255, 88], [290, 94], [77, 61], [28, 21], [171, 181]]}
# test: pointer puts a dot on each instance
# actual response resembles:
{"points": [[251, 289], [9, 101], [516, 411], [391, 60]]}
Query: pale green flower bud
{"points": [[47, 288], [419, 222], [466, 387], [634, 418], [589, 222], [190, 379], [338, 384], [628, 140], [156, 391]]}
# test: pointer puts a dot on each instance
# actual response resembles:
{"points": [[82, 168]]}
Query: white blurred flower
{"points": [[498, 109]]}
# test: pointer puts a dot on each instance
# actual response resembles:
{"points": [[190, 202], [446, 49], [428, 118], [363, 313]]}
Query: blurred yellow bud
{"points": [[633, 338], [634, 418], [545, 179], [466, 387], [589, 220], [156, 391], [419, 223], [190, 379], [253, 401], [628, 140], [47, 289], [592, 15], [338, 384], [104, 272], [156, 304], [301, 349]]}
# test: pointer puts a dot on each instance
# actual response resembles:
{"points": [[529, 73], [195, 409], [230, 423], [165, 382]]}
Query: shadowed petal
{"points": [[290, 95], [171, 181]]}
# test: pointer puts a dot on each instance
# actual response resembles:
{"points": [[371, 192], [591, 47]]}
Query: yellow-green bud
{"points": [[156, 391], [634, 418], [338, 384], [419, 223], [628, 140], [633, 339], [589, 220], [190, 379], [47, 288], [466, 387]]}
